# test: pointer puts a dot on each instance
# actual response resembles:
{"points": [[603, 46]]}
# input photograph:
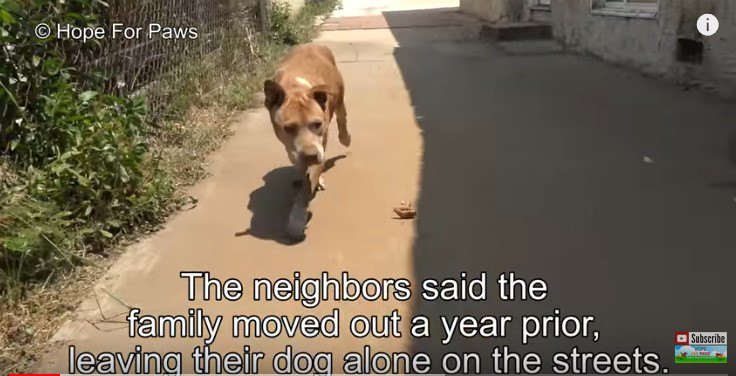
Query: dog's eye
{"points": [[315, 126], [290, 128]]}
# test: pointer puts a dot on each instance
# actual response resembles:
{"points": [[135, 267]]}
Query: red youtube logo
{"points": [[681, 338]]}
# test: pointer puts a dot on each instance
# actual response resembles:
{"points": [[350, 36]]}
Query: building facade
{"points": [[658, 37]]}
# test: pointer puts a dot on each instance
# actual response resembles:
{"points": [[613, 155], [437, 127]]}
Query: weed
{"points": [[300, 29]]}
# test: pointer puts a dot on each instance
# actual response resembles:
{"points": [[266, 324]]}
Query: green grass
{"points": [[711, 359]]}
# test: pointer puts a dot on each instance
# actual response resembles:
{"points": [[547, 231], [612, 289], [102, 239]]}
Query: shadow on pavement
{"points": [[271, 203], [270, 206], [564, 168]]}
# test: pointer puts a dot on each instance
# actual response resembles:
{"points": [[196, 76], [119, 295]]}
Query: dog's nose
{"points": [[309, 158]]}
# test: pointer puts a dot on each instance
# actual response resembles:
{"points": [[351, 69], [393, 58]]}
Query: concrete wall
{"points": [[494, 10], [651, 44], [634, 41]]}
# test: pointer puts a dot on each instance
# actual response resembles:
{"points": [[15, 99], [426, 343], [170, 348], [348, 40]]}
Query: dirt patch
{"points": [[31, 316], [27, 323]]}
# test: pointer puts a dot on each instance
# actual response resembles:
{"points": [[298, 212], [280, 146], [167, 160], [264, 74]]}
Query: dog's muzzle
{"points": [[308, 156]]}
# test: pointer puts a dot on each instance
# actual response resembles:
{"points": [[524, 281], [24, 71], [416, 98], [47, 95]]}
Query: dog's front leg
{"points": [[315, 178], [342, 124], [318, 170]]}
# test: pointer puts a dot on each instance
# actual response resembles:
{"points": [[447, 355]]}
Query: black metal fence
{"points": [[150, 44]]}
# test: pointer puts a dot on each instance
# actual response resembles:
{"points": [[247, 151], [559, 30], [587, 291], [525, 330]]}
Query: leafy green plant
{"points": [[87, 172], [282, 29], [298, 29], [32, 67]]}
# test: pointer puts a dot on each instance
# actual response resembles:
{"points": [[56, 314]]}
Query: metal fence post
{"points": [[265, 6]]}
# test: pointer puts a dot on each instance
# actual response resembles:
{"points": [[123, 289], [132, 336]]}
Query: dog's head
{"points": [[299, 118]]}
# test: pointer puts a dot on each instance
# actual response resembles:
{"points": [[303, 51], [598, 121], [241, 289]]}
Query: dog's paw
{"points": [[345, 138], [321, 186]]}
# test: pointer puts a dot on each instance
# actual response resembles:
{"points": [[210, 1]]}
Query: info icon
{"points": [[707, 24], [681, 338]]}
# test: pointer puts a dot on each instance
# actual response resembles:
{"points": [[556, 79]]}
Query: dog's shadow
{"points": [[271, 203]]}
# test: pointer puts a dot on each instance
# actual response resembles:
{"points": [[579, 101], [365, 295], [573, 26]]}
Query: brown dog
{"points": [[305, 93]]}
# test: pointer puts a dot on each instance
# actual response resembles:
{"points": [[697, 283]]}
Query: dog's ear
{"points": [[321, 95], [275, 94]]}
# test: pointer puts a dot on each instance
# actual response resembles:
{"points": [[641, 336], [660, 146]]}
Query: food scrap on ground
{"points": [[405, 211]]}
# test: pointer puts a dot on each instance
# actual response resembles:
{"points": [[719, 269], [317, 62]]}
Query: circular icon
{"points": [[707, 24], [42, 31]]}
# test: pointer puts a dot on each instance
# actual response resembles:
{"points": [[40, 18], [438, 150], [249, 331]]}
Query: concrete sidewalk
{"points": [[359, 8], [618, 190]]}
